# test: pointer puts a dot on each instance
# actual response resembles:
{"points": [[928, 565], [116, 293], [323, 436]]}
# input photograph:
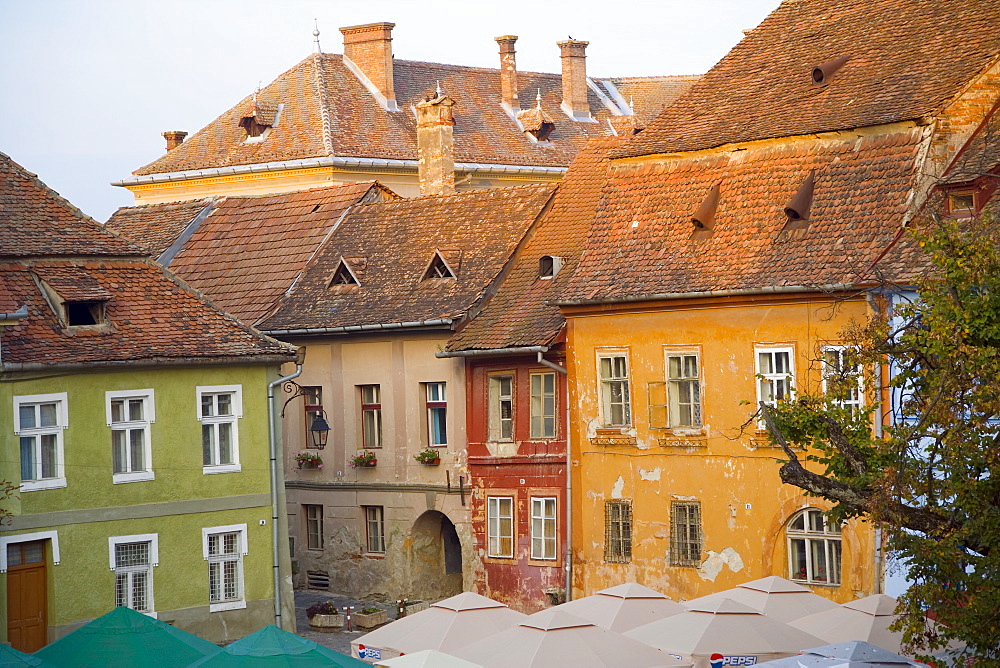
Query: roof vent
{"points": [[704, 215], [549, 266], [822, 74], [798, 207]]}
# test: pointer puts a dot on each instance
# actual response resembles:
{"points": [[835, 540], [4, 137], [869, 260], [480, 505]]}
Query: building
{"points": [[736, 237], [344, 118], [139, 442]]}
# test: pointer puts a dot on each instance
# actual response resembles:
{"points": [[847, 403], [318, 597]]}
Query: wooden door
{"points": [[27, 626]]}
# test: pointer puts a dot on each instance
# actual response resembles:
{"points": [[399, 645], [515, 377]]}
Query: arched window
{"points": [[814, 548]]}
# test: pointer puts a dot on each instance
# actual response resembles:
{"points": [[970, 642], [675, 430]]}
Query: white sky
{"points": [[87, 86]]}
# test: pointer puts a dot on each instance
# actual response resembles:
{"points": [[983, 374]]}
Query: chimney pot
{"points": [[508, 71], [435, 145], [369, 47], [574, 77], [174, 138]]}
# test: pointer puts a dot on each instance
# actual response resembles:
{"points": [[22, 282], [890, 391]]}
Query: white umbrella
{"points": [[866, 619], [556, 638], [856, 654], [445, 626], [428, 658], [776, 597], [623, 607], [724, 630]]}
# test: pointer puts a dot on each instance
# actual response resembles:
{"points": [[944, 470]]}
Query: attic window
{"points": [[258, 120], [80, 314], [438, 268], [962, 203], [343, 276], [549, 266]]}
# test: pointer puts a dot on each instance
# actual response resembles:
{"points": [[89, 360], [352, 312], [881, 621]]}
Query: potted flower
{"points": [[428, 456], [308, 460], [369, 618], [364, 459], [324, 617]]}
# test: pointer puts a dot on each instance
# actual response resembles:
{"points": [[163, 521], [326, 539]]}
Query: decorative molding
{"points": [[681, 442]]}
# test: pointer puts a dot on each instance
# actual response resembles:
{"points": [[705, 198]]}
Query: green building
{"points": [[135, 434]]}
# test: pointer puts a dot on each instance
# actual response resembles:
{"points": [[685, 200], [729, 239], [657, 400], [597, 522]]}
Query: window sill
{"points": [[138, 476], [607, 437], [47, 483], [678, 441], [806, 583], [228, 468], [228, 605]]}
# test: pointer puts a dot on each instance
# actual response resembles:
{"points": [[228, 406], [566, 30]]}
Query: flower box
{"points": [[413, 607], [326, 623], [364, 460], [369, 620], [431, 462]]}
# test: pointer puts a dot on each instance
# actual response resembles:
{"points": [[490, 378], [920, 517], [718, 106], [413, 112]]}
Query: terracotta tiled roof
{"points": [[7, 303], [154, 226], [648, 96], [906, 59], [518, 314], [35, 220], [321, 89], [397, 241], [641, 242]]}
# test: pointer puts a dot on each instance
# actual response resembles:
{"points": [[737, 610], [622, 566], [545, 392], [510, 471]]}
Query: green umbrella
{"points": [[124, 637], [272, 648], [11, 658]]}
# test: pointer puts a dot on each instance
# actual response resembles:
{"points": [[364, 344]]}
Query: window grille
{"points": [[618, 531], [685, 533], [133, 576], [224, 563]]}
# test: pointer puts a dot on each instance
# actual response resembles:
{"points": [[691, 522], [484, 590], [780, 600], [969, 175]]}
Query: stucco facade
{"points": [[717, 478]]}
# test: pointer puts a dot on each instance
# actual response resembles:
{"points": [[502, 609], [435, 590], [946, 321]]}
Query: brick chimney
{"points": [[435, 145], [508, 71], [174, 138], [369, 48], [574, 77]]}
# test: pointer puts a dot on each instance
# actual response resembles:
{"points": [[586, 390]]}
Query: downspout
{"points": [[275, 471], [568, 563]]}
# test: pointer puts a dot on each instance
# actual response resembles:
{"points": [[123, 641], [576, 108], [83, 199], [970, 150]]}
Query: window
{"points": [[371, 416], [80, 313], [814, 548], [224, 548], [962, 203], [219, 407], [39, 421], [684, 390], [313, 397], [543, 405], [842, 380], [343, 276], [437, 415], [501, 419], [500, 526], [618, 531], [775, 375], [549, 266], [132, 560], [685, 533], [543, 528], [375, 528], [314, 526], [129, 414], [438, 268], [615, 406]]}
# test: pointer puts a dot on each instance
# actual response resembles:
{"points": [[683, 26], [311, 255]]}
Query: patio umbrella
{"points": [[856, 654], [11, 658], [271, 647], [865, 619], [556, 638], [444, 626], [623, 607], [776, 597], [724, 630], [428, 658], [124, 637]]}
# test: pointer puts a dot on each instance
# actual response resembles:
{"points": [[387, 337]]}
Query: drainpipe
{"points": [[276, 471], [569, 483]]}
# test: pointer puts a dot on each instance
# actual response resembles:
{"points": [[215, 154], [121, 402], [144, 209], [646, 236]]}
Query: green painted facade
{"points": [[177, 505]]}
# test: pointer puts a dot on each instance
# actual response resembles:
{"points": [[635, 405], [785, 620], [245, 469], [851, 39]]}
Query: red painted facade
{"points": [[523, 468]]}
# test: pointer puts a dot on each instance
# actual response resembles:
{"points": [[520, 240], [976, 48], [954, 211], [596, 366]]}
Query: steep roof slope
{"points": [[155, 226], [906, 59], [518, 314], [648, 96], [389, 249]]}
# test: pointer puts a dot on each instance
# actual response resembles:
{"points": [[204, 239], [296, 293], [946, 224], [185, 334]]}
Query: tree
{"points": [[929, 473]]}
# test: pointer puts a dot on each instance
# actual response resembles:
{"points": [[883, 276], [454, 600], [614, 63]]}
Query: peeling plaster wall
{"points": [[734, 475]]}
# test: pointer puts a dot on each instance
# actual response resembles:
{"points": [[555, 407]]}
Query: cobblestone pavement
{"points": [[340, 641]]}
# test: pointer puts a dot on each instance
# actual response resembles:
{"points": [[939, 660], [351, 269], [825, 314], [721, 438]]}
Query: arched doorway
{"points": [[436, 557]]}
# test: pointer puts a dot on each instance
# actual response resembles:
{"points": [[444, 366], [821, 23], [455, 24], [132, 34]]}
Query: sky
{"points": [[88, 86]]}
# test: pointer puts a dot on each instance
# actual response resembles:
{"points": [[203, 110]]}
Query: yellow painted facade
{"points": [[727, 466]]}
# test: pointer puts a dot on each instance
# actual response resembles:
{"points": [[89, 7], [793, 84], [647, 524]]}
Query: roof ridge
{"points": [[31, 176], [324, 103], [469, 194]]}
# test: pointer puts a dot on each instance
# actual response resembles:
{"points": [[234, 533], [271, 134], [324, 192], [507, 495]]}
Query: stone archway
{"points": [[436, 557]]}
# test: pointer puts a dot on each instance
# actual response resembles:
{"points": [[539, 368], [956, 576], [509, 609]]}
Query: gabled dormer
{"points": [[347, 275], [75, 296], [258, 120], [444, 264]]}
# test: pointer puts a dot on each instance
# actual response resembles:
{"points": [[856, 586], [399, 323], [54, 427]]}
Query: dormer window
{"points": [[258, 120], [347, 274], [438, 268], [343, 276], [962, 203], [76, 297], [80, 314], [549, 266]]}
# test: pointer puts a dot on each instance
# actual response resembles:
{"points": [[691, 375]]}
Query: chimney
{"points": [[435, 145], [369, 48], [508, 71], [174, 138], [574, 77]]}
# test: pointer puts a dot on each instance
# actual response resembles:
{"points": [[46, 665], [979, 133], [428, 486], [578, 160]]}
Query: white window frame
{"points": [[149, 411], [853, 404], [241, 530], [435, 405], [154, 561], [772, 378], [61, 399], [538, 413], [495, 529], [674, 393], [605, 389], [497, 421], [548, 523], [375, 519], [237, 414], [830, 534]]}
